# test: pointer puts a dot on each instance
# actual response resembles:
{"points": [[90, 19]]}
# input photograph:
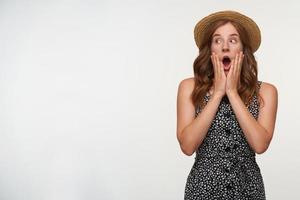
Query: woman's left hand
{"points": [[233, 77]]}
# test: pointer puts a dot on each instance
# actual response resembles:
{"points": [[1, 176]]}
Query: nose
{"points": [[225, 47]]}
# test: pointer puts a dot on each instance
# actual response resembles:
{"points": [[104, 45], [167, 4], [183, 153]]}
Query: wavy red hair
{"points": [[204, 74]]}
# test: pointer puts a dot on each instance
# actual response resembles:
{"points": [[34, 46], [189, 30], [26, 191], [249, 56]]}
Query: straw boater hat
{"points": [[249, 25]]}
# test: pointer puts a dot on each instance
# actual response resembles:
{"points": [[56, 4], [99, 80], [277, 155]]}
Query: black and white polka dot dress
{"points": [[225, 166]]}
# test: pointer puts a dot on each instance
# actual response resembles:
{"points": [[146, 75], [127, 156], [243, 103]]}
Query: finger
{"points": [[241, 62], [222, 69], [217, 66], [237, 63], [230, 69], [213, 62], [235, 68], [239, 66], [223, 72]]}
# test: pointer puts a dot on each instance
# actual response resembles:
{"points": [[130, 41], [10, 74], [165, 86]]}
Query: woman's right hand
{"points": [[219, 76]]}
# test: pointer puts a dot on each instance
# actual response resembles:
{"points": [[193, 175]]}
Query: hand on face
{"points": [[219, 76], [233, 76], [227, 84]]}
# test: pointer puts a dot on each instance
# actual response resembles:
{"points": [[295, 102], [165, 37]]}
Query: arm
{"points": [[191, 131], [258, 133]]}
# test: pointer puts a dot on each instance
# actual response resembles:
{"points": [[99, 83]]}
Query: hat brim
{"points": [[249, 25]]}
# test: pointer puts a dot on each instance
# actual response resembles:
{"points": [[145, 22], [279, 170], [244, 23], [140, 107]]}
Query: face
{"points": [[226, 44]]}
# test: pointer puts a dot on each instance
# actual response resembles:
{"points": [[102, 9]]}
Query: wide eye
{"points": [[218, 41], [233, 40]]}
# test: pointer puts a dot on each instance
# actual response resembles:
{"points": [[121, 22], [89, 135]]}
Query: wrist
{"points": [[232, 93], [217, 96]]}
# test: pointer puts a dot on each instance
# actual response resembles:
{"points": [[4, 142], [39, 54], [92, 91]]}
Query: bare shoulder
{"points": [[269, 94], [268, 90], [185, 105], [186, 85]]}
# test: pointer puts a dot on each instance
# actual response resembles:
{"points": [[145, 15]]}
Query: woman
{"points": [[224, 113]]}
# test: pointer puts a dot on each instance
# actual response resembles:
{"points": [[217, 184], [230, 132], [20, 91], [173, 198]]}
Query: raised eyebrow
{"points": [[234, 34], [216, 35]]}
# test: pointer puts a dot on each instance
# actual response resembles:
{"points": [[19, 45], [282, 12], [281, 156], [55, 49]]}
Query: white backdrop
{"points": [[88, 96]]}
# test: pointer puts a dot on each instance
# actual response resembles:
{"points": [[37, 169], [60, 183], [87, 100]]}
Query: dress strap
{"points": [[259, 84], [197, 110]]}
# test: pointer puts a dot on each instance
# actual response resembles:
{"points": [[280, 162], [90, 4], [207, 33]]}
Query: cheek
{"points": [[237, 49], [214, 48]]}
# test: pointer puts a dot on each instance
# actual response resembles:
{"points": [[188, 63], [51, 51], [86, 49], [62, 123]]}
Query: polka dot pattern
{"points": [[225, 165]]}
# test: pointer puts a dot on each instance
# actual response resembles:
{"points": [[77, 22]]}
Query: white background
{"points": [[88, 96]]}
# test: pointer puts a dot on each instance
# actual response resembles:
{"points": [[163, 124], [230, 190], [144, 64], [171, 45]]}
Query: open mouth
{"points": [[226, 62]]}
